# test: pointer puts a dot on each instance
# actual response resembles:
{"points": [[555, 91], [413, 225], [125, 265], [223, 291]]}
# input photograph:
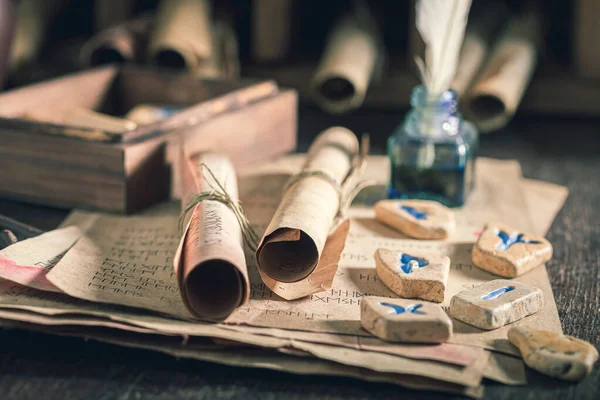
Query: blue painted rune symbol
{"points": [[494, 294], [395, 309], [513, 238], [407, 263], [412, 211]]}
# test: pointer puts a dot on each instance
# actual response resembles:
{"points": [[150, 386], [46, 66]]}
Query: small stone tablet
{"points": [[496, 303], [507, 252], [421, 219], [402, 320], [413, 275], [554, 354]]}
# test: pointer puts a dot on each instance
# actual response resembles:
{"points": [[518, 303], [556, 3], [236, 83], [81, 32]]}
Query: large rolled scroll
{"points": [[293, 247], [210, 262], [182, 37], [352, 56], [271, 29], [485, 20], [224, 62], [33, 20], [498, 90], [125, 42]]}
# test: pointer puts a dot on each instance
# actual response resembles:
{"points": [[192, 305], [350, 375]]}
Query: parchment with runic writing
{"points": [[127, 261]]}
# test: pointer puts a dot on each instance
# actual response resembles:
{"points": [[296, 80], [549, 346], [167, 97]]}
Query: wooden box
{"points": [[68, 166]]}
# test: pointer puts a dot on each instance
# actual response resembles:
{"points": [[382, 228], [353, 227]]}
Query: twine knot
{"points": [[219, 194]]}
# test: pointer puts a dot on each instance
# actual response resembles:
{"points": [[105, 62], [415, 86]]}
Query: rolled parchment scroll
{"points": [[210, 263], [182, 36], [293, 244], [224, 63], [33, 20], [121, 43], [271, 29], [497, 92], [352, 56], [485, 20]]}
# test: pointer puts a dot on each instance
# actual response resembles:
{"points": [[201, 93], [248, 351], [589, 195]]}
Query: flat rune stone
{"points": [[401, 320], [507, 252], [496, 303], [421, 219], [413, 276], [554, 354]]}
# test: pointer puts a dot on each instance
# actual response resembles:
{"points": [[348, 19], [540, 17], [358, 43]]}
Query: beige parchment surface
{"points": [[501, 179]]}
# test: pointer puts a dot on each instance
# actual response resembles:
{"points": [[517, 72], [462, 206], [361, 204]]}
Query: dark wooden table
{"points": [[566, 152]]}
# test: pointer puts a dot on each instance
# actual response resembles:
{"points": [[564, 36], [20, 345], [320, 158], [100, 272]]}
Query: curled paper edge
{"points": [[321, 278]]}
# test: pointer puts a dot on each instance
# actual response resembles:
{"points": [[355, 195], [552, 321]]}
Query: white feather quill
{"points": [[441, 24]]}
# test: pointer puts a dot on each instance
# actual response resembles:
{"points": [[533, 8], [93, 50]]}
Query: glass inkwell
{"points": [[432, 153]]}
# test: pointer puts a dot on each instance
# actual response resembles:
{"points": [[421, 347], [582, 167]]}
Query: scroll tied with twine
{"points": [[209, 262], [300, 250]]}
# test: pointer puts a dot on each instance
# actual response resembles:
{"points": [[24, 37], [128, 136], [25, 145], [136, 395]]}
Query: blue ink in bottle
{"points": [[432, 153]]}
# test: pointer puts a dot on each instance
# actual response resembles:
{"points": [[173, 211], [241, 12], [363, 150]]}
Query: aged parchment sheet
{"points": [[138, 280], [206, 350]]}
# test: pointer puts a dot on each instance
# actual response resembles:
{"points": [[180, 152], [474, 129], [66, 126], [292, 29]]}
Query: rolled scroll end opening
{"points": [[214, 289], [487, 106], [170, 58], [336, 93], [106, 55], [337, 89], [287, 259]]}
